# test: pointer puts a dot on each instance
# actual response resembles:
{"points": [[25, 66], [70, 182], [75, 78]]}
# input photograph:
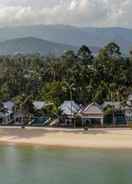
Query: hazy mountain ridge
{"points": [[31, 45], [70, 36]]}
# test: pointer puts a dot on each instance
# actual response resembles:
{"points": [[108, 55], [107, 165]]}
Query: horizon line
{"points": [[66, 25]]}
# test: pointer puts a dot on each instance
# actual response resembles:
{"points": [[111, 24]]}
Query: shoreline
{"points": [[111, 138]]}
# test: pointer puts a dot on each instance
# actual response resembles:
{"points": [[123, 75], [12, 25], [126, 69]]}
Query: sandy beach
{"points": [[93, 138]]}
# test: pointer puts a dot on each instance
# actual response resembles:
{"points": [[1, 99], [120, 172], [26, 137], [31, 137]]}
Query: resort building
{"points": [[68, 111], [92, 115]]}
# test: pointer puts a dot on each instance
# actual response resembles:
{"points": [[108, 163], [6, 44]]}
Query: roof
{"points": [[130, 97], [129, 103], [8, 105], [117, 105], [69, 108], [39, 104], [92, 109]]}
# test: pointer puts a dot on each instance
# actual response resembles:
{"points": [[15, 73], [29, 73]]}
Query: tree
{"points": [[79, 76], [53, 92], [85, 55]]}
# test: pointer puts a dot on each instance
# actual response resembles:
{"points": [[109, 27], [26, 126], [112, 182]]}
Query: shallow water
{"points": [[29, 165]]}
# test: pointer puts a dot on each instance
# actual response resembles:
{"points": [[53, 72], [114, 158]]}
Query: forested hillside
{"points": [[81, 76]]}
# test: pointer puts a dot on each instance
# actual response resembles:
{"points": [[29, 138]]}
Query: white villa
{"points": [[69, 109], [92, 114]]}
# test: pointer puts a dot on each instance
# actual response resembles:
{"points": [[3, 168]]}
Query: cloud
{"points": [[74, 12]]}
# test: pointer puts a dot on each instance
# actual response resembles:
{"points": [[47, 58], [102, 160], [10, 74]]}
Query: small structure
{"points": [[92, 115], [68, 110]]}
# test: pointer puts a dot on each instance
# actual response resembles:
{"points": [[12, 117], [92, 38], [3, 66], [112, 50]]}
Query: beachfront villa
{"points": [[68, 111], [72, 114], [92, 115]]}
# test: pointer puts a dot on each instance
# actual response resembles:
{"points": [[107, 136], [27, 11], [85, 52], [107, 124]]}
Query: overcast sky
{"points": [[74, 12]]}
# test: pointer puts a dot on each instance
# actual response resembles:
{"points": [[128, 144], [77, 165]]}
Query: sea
{"points": [[51, 165]]}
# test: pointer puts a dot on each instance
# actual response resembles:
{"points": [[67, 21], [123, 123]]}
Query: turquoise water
{"points": [[37, 165]]}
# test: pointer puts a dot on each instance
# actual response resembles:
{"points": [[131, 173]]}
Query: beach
{"points": [[93, 138]]}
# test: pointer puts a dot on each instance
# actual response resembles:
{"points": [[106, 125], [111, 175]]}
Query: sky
{"points": [[100, 13]]}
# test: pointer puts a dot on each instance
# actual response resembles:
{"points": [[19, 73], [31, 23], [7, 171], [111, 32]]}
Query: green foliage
{"points": [[4, 92], [53, 92], [108, 110], [73, 76]]}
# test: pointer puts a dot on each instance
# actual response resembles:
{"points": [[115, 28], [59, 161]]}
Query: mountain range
{"points": [[31, 45], [55, 39]]}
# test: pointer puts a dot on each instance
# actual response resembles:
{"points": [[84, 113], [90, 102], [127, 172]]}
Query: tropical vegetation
{"points": [[80, 76]]}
